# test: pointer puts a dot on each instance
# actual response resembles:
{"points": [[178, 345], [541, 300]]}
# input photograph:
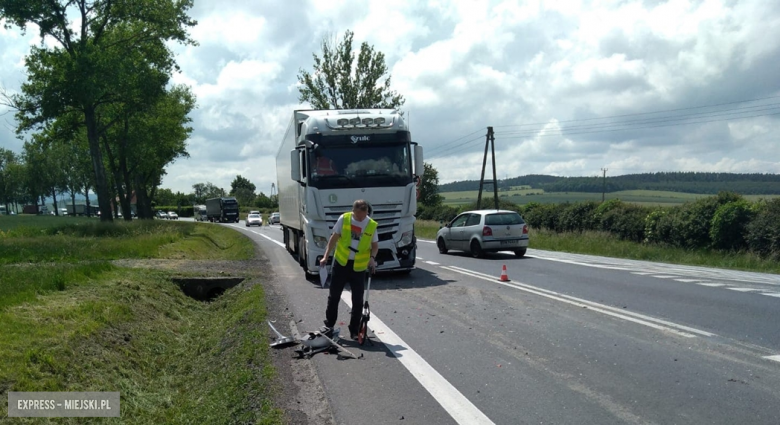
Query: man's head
{"points": [[360, 209]]}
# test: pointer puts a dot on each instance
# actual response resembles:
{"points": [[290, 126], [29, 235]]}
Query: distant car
{"points": [[481, 231], [161, 215], [254, 212], [172, 215], [274, 219], [254, 220]]}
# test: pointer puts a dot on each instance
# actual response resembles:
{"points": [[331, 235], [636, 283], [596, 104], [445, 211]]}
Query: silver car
{"points": [[254, 220], [481, 231]]}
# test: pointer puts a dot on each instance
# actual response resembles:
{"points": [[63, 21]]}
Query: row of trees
{"points": [[241, 188], [97, 110]]}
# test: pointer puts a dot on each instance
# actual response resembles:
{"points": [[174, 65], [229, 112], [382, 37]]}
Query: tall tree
{"points": [[242, 183], [8, 184], [429, 187], [337, 83], [87, 69]]}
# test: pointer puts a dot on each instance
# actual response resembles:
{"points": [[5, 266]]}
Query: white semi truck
{"points": [[330, 158]]}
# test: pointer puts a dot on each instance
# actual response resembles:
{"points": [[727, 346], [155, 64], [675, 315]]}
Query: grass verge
{"points": [[93, 326]]}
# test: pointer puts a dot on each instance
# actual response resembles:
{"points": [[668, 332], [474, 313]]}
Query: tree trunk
{"points": [[54, 200], [142, 205], [101, 185]]}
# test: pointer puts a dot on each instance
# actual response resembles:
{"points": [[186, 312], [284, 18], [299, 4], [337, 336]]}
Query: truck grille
{"points": [[387, 217]]}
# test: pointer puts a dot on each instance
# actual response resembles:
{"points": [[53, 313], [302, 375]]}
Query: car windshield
{"points": [[254, 216], [503, 219], [360, 166]]}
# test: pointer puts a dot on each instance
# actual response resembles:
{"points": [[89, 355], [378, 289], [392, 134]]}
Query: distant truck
{"points": [[330, 158], [35, 209], [223, 210], [78, 209], [199, 212]]}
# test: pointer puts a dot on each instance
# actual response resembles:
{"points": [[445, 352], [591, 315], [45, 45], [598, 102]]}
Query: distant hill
{"points": [[689, 182]]}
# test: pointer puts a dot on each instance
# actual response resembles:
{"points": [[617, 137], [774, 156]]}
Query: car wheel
{"points": [[442, 246], [247, 225], [520, 253], [476, 250]]}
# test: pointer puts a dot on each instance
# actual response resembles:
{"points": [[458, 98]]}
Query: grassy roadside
{"points": [[603, 244], [70, 320]]}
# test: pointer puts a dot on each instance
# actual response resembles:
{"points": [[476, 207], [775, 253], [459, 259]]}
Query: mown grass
{"points": [[604, 244], [93, 326]]}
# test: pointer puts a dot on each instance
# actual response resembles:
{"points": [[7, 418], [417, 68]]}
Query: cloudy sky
{"points": [[570, 87]]}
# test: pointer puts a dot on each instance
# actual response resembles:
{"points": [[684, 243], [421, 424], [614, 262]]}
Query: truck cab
{"points": [[328, 160]]}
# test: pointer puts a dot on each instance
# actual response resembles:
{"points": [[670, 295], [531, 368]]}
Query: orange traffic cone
{"points": [[504, 277]]}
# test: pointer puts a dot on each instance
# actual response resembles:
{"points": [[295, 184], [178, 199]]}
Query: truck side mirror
{"points": [[419, 168], [295, 165]]}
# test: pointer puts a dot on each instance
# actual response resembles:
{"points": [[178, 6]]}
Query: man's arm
{"points": [[334, 237], [374, 251]]}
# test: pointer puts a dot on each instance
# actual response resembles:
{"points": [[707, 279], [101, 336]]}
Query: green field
{"points": [[640, 197]]}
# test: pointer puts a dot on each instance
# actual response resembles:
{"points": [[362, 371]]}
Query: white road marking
{"points": [[690, 280], [642, 273], [710, 284], [664, 276], [641, 319], [260, 234], [774, 358], [455, 403], [426, 241], [771, 294], [432, 263], [744, 289]]}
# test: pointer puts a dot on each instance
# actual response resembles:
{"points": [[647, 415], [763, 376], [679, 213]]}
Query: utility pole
{"points": [[489, 142], [603, 184]]}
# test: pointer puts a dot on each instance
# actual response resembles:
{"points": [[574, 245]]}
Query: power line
{"points": [[520, 136], [460, 138], [733, 114], [647, 113]]}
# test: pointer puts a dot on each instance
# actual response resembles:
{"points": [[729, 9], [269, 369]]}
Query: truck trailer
{"points": [[223, 210], [330, 158]]}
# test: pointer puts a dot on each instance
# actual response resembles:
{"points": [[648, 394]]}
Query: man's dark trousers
{"points": [[341, 276]]}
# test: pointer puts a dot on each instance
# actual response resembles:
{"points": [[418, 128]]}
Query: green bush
{"points": [[577, 217], [627, 222], [689, 226], [728, 226], [543, 216], [652, 220], [763, 232]]}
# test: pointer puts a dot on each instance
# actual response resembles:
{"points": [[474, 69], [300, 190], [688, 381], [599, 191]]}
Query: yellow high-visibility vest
{"points": [[364, 245]]}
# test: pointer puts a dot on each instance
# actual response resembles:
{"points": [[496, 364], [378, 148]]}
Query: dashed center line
{"points": [[771, 294], [744, 289]]}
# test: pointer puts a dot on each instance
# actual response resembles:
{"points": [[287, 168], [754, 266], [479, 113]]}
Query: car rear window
{"points": [[503, 219]]}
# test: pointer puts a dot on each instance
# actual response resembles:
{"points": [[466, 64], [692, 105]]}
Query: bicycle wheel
{"points": [[363, 331]]}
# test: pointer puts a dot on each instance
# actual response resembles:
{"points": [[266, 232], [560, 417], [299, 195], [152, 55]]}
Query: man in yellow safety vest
{"points": [[357, 243]]}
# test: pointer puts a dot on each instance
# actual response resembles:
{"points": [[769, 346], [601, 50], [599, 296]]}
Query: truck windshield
{"points": [[360, 166]]}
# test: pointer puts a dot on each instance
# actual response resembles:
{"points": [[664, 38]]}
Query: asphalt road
{"points": [[570, 339]]}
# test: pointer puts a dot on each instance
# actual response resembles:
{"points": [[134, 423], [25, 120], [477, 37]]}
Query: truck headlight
{"points": [[406, 238], [320, 241]]}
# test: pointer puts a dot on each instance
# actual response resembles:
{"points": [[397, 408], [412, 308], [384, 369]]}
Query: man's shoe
{"points": [[353, 334], [328, 332]]}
